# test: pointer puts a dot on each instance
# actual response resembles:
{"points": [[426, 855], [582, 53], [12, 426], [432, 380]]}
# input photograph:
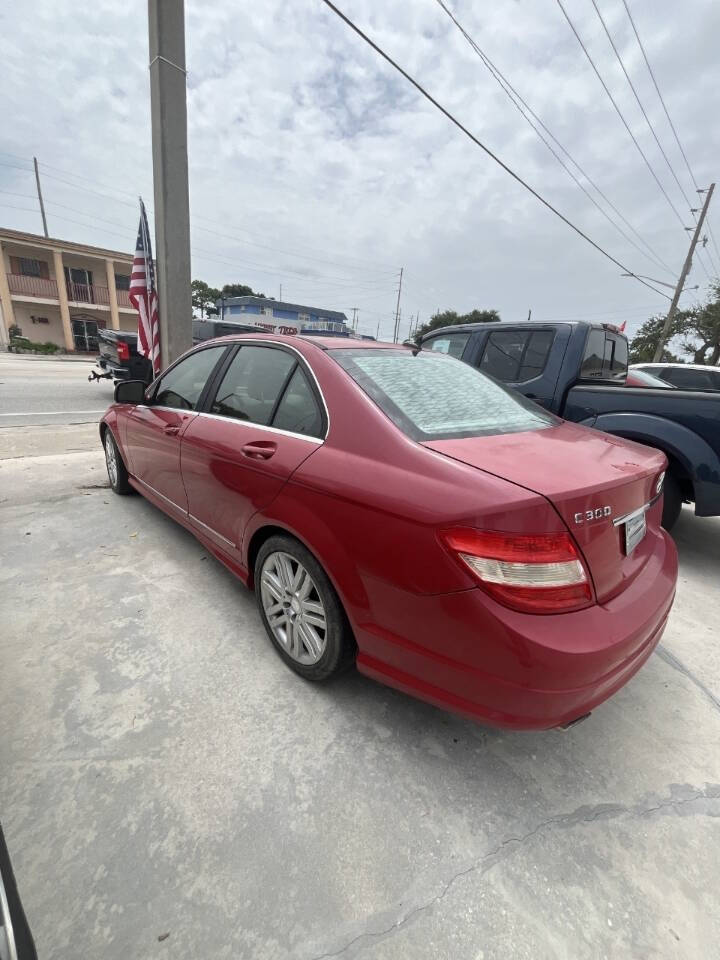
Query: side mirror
{"points": [[130, 391]]}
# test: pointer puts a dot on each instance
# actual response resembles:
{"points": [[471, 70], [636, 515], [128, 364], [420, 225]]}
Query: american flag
{"points": [[143, 295]]}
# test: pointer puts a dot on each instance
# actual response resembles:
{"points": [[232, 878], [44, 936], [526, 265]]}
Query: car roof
{"points": [[322, 343], [678, 366], [507, 325]]}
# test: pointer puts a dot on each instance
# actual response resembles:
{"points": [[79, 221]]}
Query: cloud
{"points": [[313, 164]]}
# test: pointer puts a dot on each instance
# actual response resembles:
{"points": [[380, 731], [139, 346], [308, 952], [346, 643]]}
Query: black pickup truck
{"points": [[118, 356], [577, 370]]}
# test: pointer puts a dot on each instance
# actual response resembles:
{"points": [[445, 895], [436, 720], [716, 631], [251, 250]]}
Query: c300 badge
{"points": [[589, 515]]}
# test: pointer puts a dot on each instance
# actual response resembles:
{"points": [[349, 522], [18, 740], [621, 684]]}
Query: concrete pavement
{"points": [[162, 772]]}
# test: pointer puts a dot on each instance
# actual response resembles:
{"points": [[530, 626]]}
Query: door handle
{"points": [[172, 430], [259, 449]]}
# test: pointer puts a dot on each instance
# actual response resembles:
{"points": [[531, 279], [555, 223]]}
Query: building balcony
{"points": [[32, 286], [87, 293], [77, 293]]}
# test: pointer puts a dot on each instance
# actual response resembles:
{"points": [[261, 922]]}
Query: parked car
{"points": [[411, 514], [16, 942], [640, 378], [578, 371], [688, 376]]}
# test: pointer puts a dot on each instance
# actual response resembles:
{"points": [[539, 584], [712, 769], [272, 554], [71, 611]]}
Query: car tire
{"points": [[294, 597], [672, 501], [117, 473]]}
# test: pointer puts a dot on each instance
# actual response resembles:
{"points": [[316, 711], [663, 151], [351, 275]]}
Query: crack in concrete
{"points": [[583, 814], [678, 665]]}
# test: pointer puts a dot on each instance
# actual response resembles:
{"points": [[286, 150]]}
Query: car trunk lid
{"points": [[592, 479]]}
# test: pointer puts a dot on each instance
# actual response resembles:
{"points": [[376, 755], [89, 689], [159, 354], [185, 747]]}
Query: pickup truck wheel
{"points": [[672, 502], [117, 474]]}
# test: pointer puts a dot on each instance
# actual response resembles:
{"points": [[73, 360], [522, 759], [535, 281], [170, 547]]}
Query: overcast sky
{"points": [[314, 165]]}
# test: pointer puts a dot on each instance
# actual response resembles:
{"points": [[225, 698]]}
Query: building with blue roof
{"points": [[278, 316]]}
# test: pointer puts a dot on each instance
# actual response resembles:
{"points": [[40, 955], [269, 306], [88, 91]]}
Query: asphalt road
{"points": [[168, 788], [35, 391]]}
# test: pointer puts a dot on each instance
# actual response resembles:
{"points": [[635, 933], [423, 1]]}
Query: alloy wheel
{"points": [[293, 607], [111, 459]]}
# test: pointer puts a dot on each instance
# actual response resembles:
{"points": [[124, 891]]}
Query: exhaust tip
{"points": [[575, 722]]}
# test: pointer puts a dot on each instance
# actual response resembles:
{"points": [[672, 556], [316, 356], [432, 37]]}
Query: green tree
{"points": [[203, 297], [702, 330], [449, 318], [239, 290], [642, 346], [699, 327]]}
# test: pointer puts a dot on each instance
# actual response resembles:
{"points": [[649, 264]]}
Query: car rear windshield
{"points": [[432, 396]]}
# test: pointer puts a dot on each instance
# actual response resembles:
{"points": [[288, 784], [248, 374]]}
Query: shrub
{"points": [[19, 344]]}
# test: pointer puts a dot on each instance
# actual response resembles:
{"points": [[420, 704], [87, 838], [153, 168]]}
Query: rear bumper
{"points": [[466, 653], [119, 373]]}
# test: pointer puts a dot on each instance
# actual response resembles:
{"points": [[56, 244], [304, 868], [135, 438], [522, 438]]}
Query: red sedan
{"points": [[408, 513]]}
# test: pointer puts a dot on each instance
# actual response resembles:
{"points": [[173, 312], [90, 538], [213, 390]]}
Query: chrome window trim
{"points": [[256, 343], [261, 426], [212, 531]]}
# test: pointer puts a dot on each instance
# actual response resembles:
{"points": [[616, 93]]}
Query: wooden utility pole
{"points": [[42, 205], [667, 326], [397, 308]]}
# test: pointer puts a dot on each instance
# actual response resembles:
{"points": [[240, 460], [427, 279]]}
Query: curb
{"points": [[51, 357]]}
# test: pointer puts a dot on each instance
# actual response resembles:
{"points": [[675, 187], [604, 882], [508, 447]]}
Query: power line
{"points": [[647, 119], [521, 105], [621, 115], [639, 102], [667, 113], [482, 146]]}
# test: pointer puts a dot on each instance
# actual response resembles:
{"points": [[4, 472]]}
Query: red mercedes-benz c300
{"points": [[408, 513]]}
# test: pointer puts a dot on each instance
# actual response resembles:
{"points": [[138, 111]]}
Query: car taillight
{"points": [[540, 573], [123, 351]]}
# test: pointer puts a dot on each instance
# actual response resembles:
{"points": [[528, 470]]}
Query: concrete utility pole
{"points": [[354, 319], [667, 326], [166, 23], [397, 308], [39, 190]]}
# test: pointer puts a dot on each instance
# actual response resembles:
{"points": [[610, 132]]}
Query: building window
{"points": [[29, 267], [122, 281], [268, 311]]}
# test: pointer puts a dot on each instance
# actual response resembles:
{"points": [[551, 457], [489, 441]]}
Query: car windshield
{"points": [[431, 396]]}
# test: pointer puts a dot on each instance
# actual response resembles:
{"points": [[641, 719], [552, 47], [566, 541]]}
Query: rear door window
{"points": [[688, 379], [452, 344], [516, 356], [298, 410], [253, 383]]}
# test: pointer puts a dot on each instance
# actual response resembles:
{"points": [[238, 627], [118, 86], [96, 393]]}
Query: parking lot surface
{"points": [[163, 773]]}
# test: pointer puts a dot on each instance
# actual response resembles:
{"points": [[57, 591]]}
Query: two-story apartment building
{"points": [[278, 316], [62, 292]]}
